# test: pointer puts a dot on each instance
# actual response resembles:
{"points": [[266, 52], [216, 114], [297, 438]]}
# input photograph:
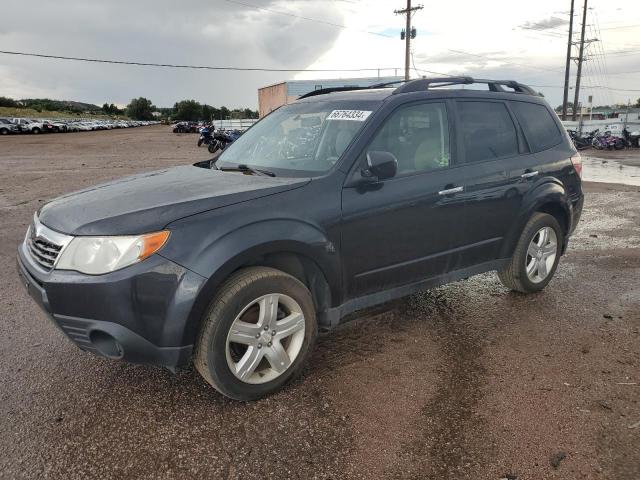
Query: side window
{"points": [[538, 125], [418, 136], [487, 131]]}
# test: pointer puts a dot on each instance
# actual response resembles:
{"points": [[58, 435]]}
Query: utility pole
{"points": [[580, 60], [408, 35], [565, 98]]}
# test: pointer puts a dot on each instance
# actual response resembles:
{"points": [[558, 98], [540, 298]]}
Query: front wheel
{"points": [[200, 140], [256, 334], [536, 256], [35, 130]]}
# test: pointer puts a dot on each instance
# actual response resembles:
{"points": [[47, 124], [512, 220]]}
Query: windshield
{"points": [[301, 139]]}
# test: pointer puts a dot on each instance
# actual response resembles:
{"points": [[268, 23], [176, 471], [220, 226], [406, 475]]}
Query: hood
{"points": [[148, 202]]}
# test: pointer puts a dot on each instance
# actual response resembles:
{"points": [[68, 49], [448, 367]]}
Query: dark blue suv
{"points": [[339, 201]]}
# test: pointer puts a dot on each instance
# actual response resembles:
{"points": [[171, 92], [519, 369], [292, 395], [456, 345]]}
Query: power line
{"points": [[196, 67], [309, 19], [620, 27]]}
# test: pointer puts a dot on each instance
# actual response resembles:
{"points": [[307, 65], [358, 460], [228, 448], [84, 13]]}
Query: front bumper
{"points": [[138, 314]]}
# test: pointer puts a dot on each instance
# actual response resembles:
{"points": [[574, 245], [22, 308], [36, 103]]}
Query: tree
{"points": [[638, 103], [140, 109], [8, 102], [569, 107], [187, 110]]}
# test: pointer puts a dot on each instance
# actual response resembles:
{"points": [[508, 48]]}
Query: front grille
{"points": [[44, 245], [43, 251]]}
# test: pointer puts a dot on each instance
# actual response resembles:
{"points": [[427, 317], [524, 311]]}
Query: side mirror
{"points": [[381, 165]]}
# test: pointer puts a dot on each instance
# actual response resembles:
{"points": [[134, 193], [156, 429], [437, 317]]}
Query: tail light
{"points": [[576, 160]]}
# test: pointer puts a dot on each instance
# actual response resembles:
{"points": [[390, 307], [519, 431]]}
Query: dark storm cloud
{"points": [[204, 32]]}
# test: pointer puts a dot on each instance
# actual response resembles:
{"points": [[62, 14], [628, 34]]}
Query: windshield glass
{"points": [[301, 139]]}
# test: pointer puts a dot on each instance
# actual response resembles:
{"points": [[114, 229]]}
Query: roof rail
{"points": [[322, 91], [423, 84]]}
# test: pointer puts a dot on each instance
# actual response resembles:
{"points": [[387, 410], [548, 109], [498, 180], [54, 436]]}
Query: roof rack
{"points": [[322, 91], [422, 84]]}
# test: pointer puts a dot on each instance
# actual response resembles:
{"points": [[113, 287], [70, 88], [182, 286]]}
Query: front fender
{"points": [[545, 191], [216, 257]]}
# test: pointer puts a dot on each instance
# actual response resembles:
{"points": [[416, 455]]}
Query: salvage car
{"points": [[7, 127], [344, 199]]}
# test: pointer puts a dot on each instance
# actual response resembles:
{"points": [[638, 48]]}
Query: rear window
{"points": [[538, 125], [487, 131]]}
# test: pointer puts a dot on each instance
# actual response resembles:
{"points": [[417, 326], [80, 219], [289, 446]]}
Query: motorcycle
{"points": [[206, 135], [607, 141], [581, 142], [632, 138], [222, 139], [584, 141]]}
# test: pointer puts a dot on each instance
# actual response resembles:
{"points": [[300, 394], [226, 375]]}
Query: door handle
{"points": [[529, 174], [449, 191]]}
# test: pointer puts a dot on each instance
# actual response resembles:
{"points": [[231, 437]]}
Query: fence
{"points": [[615, 125], [235, 124]]}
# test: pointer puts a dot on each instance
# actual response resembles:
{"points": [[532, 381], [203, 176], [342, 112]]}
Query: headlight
{"points": [[98, 255]]}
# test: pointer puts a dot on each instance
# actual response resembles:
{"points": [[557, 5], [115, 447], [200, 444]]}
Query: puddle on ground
{"points": [[609, 171]]}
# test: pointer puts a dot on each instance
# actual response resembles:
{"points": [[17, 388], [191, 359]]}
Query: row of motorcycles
{"points": [[217, 139], [605, 140]]}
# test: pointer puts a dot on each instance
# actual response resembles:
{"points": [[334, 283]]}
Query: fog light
{"points": [[106, 344]]}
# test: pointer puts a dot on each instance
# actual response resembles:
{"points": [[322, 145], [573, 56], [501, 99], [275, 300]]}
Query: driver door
{"points": [[406, 228]]}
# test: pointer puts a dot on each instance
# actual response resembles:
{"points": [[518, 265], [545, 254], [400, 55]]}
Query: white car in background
{"points": [[26, 125]]}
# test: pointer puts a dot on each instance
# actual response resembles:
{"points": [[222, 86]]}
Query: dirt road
{"points": [[468, 381]]}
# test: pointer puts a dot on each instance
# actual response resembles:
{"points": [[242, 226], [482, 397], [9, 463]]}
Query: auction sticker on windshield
{"points": [[356, 115]]}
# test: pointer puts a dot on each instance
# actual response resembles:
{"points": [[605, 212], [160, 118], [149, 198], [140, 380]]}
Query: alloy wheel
{"points": [[265, 338], [541, 254]]}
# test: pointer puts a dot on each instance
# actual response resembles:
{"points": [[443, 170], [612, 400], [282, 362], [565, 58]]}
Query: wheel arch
{"points": [[549, 197], [293, 247]]}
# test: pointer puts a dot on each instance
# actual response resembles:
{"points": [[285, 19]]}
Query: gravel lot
{"points": [[468, 381]]}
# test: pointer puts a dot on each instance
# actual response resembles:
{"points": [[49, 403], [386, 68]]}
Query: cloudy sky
{"points": [[489, 38]]}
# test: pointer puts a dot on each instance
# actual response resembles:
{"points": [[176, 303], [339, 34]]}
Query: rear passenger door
{"points": [[490, 145]]}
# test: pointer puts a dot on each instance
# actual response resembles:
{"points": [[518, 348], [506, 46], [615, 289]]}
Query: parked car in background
{"points": [[7, 127], [28, 125], [60, 127], [48, 127]]}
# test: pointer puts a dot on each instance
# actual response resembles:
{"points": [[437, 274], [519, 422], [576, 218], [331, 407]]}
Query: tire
{"points": [[221, 362], [35, 130], [200, 142], [4, 131], [514, 275], [213, 147]]}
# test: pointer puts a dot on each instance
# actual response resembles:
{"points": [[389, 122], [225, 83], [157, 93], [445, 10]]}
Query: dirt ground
{"points": [[629, 156], [467, 381]]}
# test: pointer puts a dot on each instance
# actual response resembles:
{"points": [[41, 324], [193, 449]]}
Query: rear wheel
{"points": [[257, 333], [536, 256], [35, 130]]}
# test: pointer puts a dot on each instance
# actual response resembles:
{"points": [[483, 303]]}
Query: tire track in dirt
{"points": [[449, 429]]}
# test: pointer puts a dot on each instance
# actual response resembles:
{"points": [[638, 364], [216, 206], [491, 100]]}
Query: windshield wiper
{"points": [[246, 168]]}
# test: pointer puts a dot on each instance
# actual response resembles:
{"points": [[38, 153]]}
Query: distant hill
{"points": [[46, 104]]}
